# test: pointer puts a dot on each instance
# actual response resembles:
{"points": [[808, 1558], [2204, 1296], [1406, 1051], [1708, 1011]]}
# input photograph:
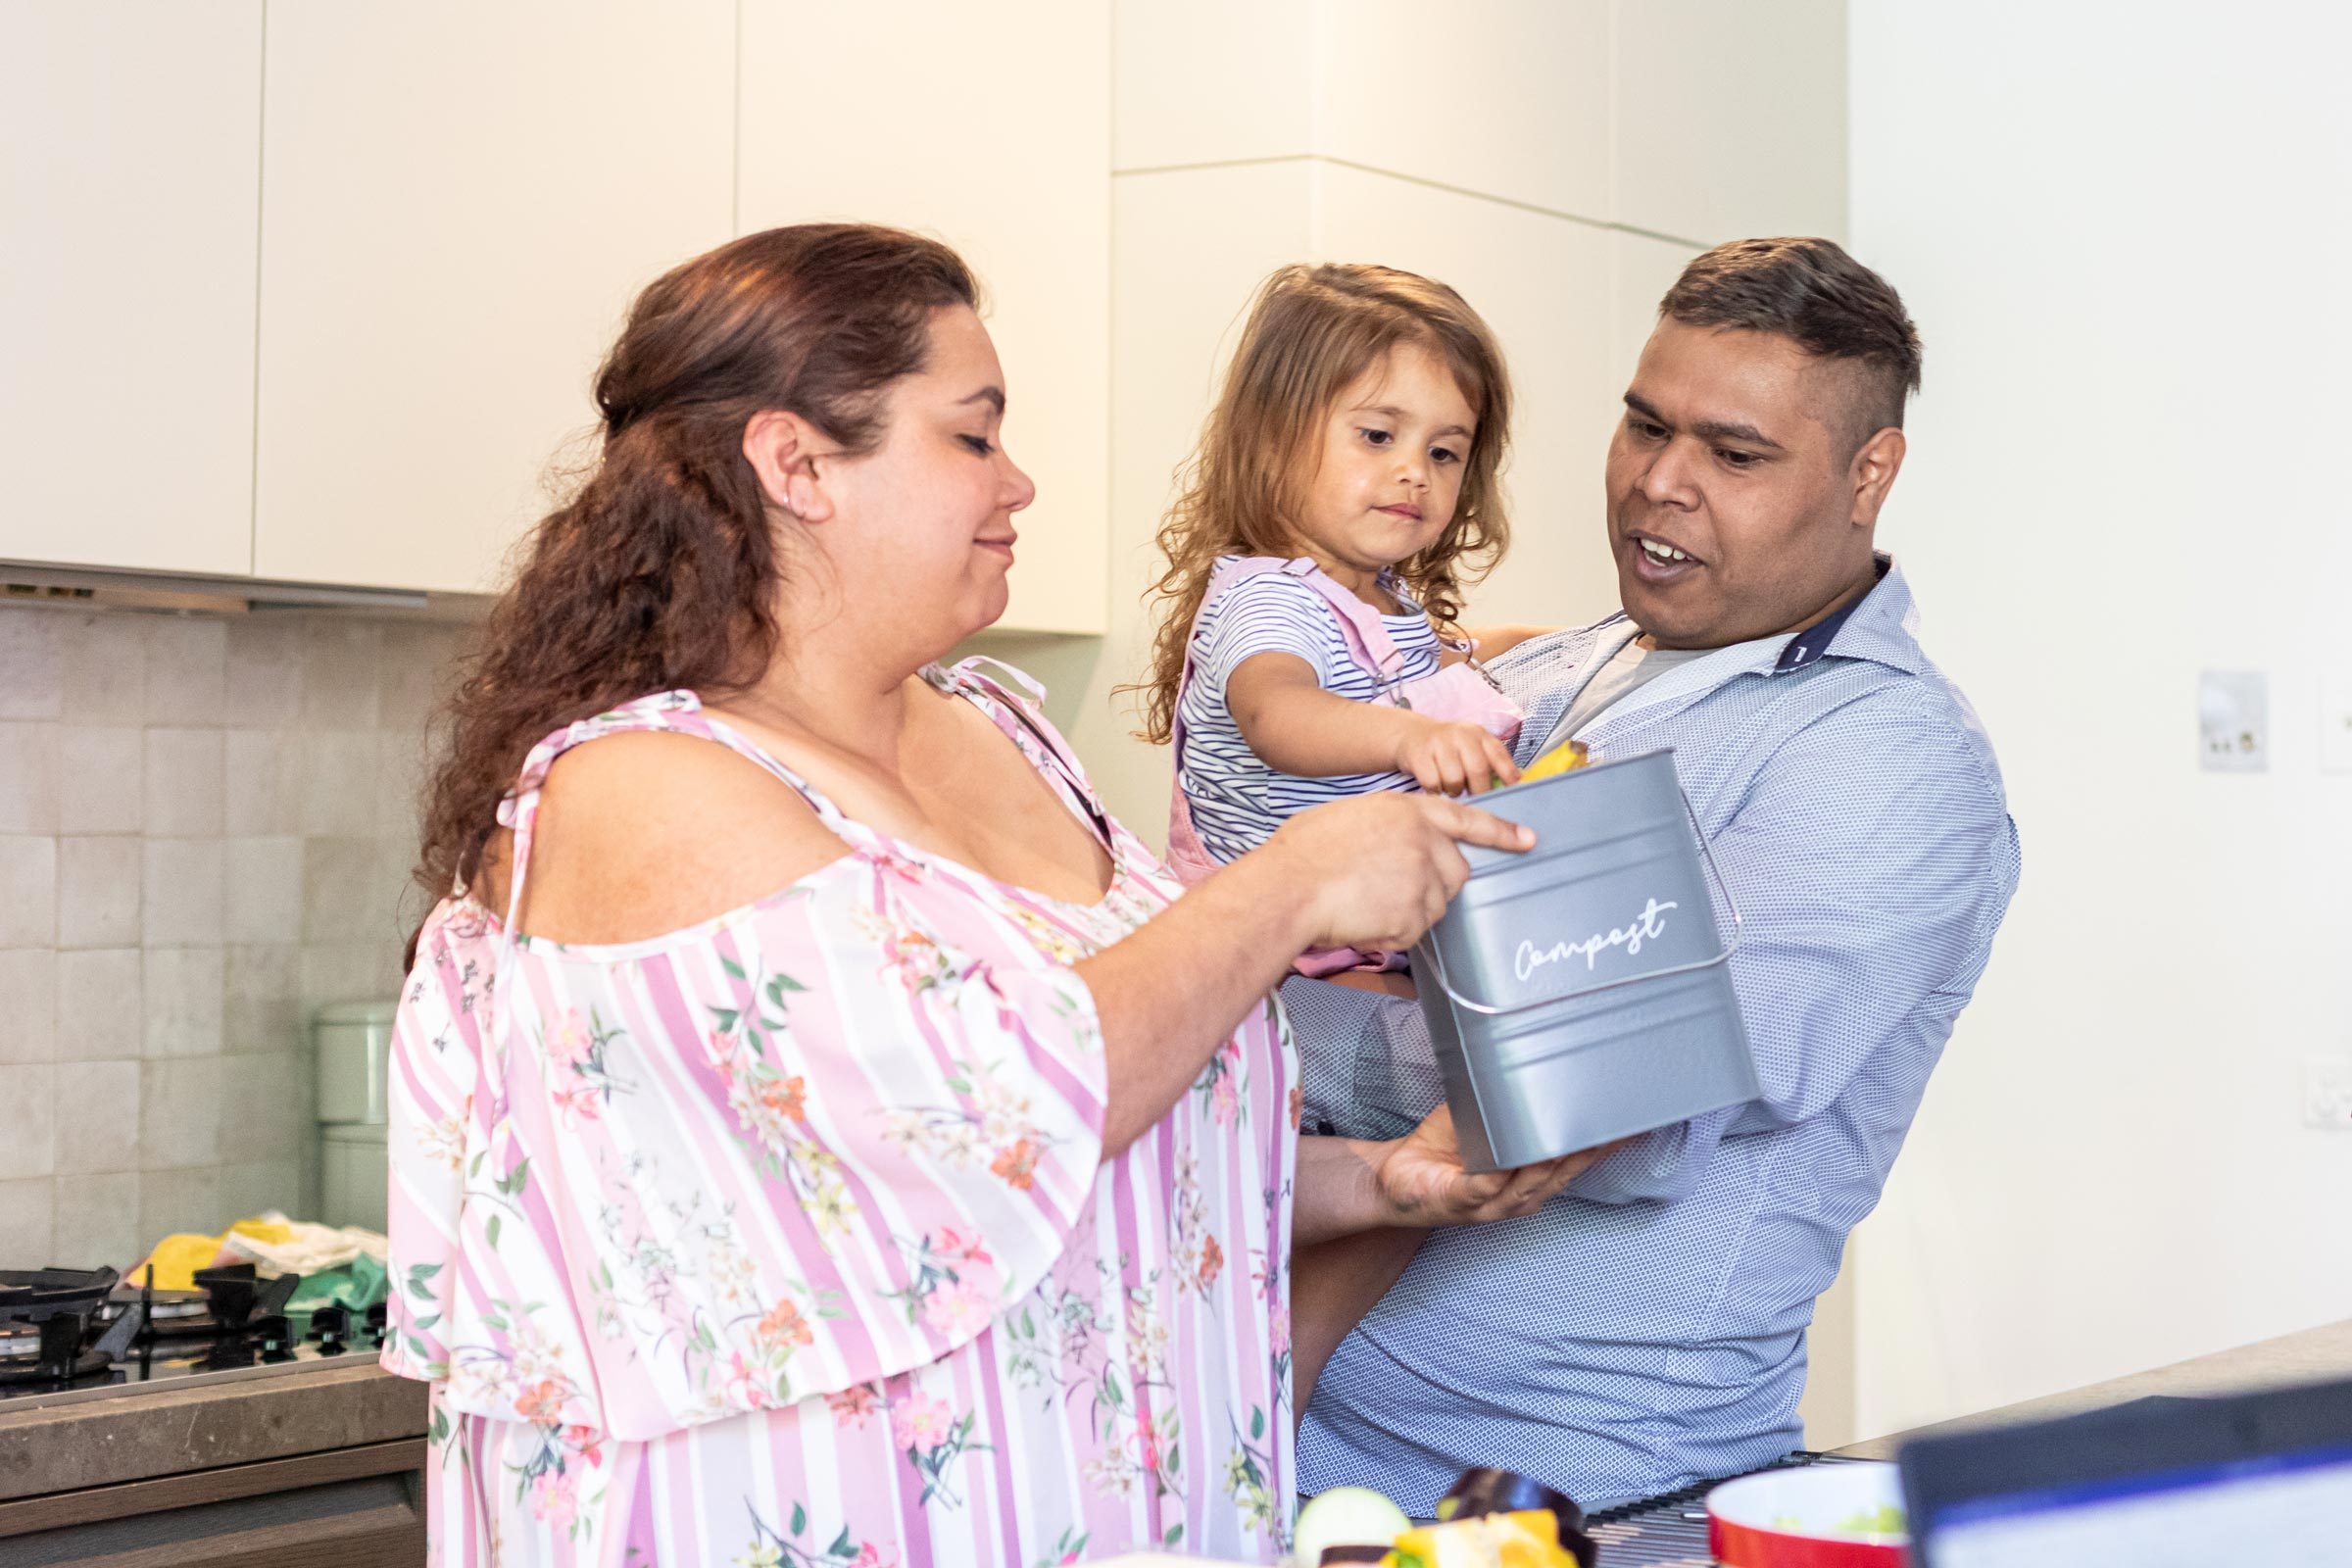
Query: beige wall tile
{"points": [[339, 660], [415, 671], [100, 1012], [1210, 82], [342, 900], [97, 1221], [265, 1111], [179, 1112], [97, 1117], [348, 971], [183, 786], [1731, 118], [180, 897], [27, 778], [261, 1007], [28, 1006], [101, 773], [28, 892], [186, 670], [31, 651], [106, 668], [338, 783], [24, 1219], [178, 1201], [261, 891], [264, 672], [98, 892], [1534, 125], [183, 1001], [400, 782], [27, 1121], [264, 781]]}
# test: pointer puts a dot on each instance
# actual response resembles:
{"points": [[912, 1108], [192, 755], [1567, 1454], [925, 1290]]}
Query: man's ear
{"points": [[785, 452], [1872, 471]]}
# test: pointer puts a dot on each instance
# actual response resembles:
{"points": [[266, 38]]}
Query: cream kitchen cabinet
{"points": [[989, 126], [130, 164], [459, 201]]}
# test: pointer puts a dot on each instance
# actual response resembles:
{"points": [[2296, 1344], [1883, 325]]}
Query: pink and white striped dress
{"points": [[786, 1240]]}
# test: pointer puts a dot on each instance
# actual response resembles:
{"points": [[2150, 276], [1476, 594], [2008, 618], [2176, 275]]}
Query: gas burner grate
{"points": [[1668, 1532]]}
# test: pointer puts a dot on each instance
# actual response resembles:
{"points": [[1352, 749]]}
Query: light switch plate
{"points": [[2335, 722], [2233, 721]]}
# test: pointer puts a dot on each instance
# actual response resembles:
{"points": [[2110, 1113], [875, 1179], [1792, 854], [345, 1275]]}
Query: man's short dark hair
{"points": [[1830, 304]]}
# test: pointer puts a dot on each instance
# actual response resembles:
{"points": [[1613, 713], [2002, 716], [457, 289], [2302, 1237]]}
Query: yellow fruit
{"points": [[1524, 1540], [1560, 759]]}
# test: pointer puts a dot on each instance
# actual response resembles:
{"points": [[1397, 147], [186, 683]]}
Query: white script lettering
{"points": [[1650, 924]]}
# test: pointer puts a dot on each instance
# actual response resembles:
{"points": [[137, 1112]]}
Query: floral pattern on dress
{"points": [[813, 1192]]}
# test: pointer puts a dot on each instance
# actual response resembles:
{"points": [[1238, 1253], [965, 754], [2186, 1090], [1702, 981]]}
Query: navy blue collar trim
{"points": [[1812, 645]]}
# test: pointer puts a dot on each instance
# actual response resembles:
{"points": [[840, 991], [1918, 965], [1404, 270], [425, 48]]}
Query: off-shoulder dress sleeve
{"points": [[796, 1150]]}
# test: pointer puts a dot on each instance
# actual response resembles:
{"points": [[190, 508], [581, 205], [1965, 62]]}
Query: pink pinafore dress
{"points": [[1461, 692]]}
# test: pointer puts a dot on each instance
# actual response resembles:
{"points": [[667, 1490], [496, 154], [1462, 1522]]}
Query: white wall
{"points": [[2123, 235]]}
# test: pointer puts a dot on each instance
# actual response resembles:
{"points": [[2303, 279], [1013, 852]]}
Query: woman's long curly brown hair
{"points": [[661, 572], [1311, 332]]}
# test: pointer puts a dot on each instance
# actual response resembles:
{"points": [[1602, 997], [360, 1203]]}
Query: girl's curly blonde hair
{"points": [[1311, 332]]}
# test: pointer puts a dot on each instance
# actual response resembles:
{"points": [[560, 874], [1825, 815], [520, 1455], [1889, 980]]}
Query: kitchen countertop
{"points": [[2311, 1357], [204, 1423]]}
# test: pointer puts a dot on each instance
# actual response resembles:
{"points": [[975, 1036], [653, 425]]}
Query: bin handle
{"points": [[1715, 875]]}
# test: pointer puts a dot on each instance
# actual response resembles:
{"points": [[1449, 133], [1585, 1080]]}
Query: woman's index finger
{"points": [[1470, 825]]}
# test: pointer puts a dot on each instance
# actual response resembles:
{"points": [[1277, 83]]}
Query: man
{"points": [[1647, 1329]]}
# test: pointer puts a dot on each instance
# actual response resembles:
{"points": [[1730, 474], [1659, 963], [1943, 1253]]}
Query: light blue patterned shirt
{"points": [[1646, 1330]]}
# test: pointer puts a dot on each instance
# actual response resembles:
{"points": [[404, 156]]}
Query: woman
{"points": [[820, 1136]]}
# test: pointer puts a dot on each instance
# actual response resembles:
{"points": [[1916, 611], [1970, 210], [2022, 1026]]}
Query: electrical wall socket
{"points": [[2233, 721], [2327, 1091]]}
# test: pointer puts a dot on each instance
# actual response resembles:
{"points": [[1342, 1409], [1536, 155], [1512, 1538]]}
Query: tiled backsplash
{"points": [[206, 830]]}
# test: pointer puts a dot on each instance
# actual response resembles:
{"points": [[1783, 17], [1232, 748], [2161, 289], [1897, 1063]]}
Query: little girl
{"points": [[1344, 489]]}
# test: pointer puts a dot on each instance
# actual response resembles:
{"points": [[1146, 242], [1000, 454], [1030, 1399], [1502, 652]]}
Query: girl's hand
{"points": [[1452, 758], [1421, 1180], [1376, 871]]}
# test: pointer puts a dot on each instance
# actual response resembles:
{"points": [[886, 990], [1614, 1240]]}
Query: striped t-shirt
{"points": [[1237, 801]]}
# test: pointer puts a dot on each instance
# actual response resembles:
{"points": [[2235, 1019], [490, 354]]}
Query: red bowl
{"points": [[1793, 1518]]}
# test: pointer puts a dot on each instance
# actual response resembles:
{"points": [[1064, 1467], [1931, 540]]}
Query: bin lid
{"points": [[376, 1013]]}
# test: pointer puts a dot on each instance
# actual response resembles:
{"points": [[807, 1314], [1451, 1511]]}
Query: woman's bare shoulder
{"points": [[648, 832]]}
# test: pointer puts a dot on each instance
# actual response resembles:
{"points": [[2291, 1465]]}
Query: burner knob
{"points": [[328, 1325], [377, 1324], [276, 1335]]}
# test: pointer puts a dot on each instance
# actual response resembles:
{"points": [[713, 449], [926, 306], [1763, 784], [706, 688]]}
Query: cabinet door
{"points": [[989, 127], [458, 203], [129, 162]]}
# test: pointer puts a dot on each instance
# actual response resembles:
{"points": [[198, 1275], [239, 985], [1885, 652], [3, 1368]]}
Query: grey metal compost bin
{"points": [[1581, 992]]}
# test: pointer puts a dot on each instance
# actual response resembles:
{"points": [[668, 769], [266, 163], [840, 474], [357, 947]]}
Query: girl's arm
{"points": [[1296, 727]]}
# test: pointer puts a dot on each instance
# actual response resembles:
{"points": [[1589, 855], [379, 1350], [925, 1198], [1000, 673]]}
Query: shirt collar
{"points": [[1881, 627]]}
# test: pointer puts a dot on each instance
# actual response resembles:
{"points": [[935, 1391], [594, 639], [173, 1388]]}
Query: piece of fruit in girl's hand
{"points": [[1346, 1516], [1561, 759]]}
